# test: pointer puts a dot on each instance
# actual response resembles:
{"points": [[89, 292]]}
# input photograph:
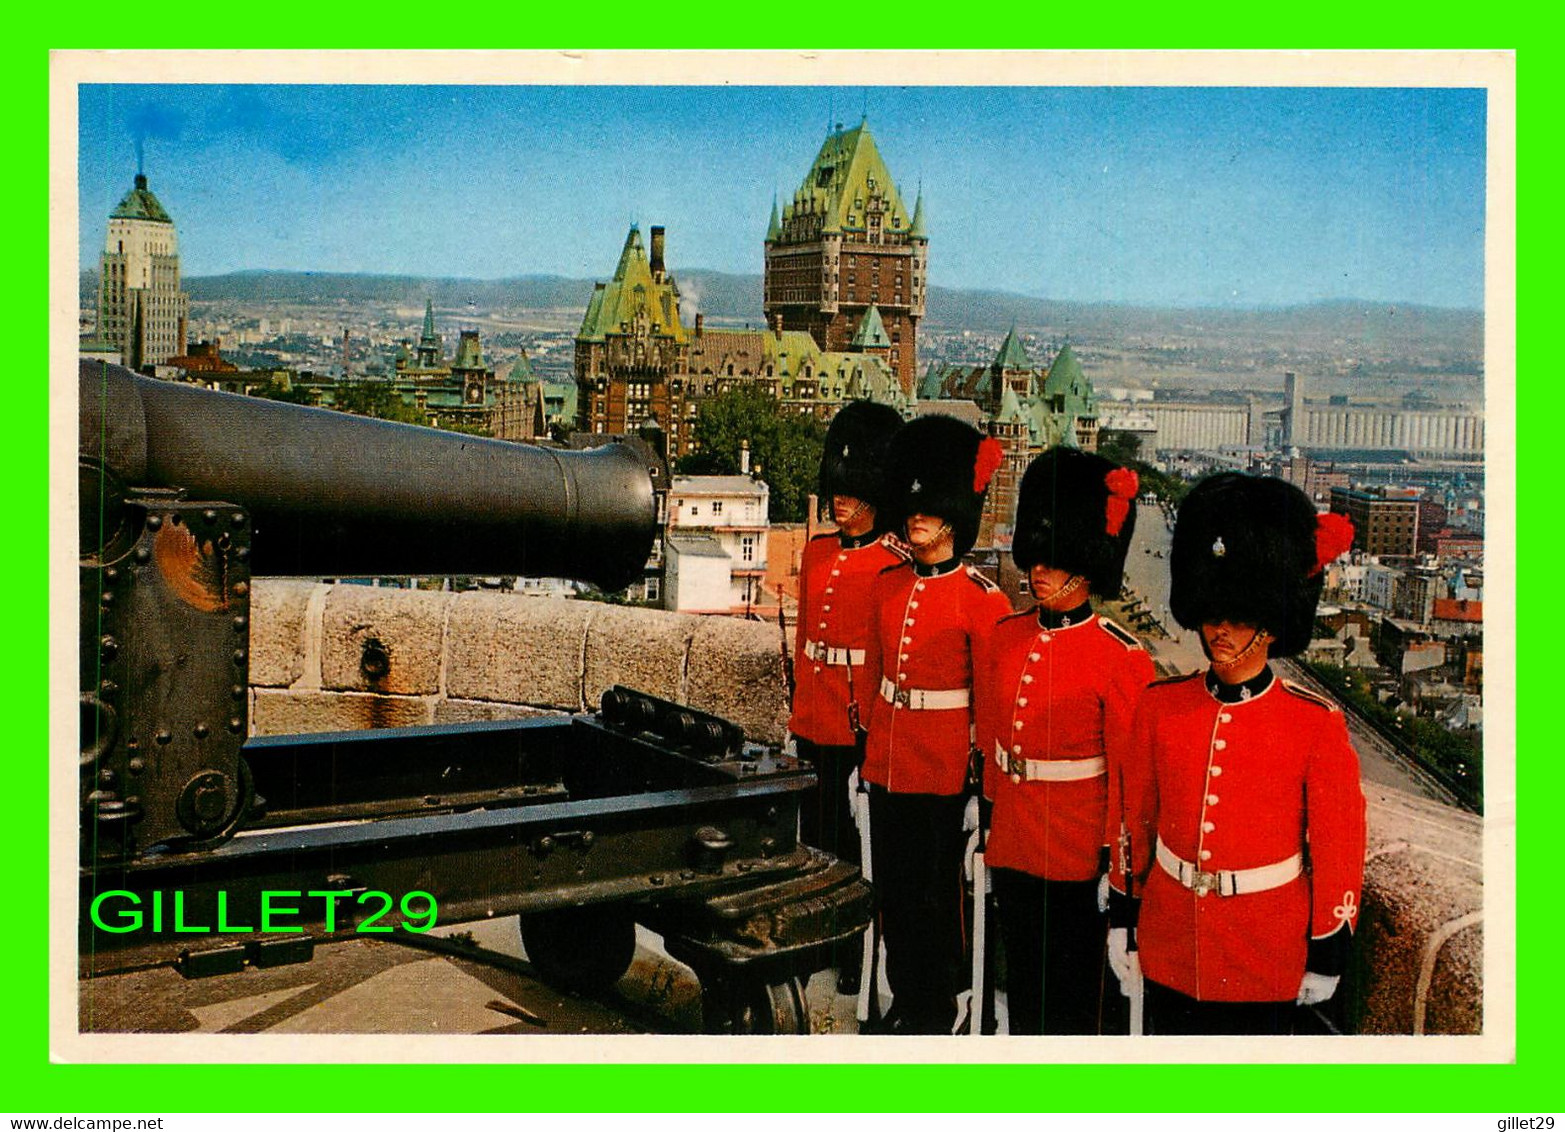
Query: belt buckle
{"points": [[1203, 882], [900, 698], [1015, 766]]}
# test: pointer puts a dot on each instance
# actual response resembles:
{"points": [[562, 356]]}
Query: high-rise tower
{"points": [[846, 243], [141, 310]]}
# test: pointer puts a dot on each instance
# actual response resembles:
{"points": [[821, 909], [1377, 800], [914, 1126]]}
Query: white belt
{"points": [[832, 656], [920, 699], [1049, 770], [1228, 882]]}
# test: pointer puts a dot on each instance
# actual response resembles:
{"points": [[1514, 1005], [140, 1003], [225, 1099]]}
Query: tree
{"points": [[375, 399], [785, 449], [275, 390], [1124, 448]]}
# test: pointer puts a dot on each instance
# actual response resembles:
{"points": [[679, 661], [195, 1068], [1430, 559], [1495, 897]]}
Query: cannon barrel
{"points": [[332, 494]]}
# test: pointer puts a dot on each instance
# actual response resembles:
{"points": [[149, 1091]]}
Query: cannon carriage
{"points": [[645, 811]]}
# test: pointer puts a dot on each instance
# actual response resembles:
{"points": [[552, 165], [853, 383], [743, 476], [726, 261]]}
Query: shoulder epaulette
{"points": [[1120, 634], [897, 548], [1309, 694], [1174, 679], [982, 581]]}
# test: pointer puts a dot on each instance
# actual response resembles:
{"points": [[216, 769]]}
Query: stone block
{"points": [[643, 649], [1451, 1005], [736, 671], [517, 649], [296, 713], [1423, 899], [383, 640], [471, 711], [278, 628]]}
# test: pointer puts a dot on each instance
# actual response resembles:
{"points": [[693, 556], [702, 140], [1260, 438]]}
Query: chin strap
{"points": [[1259, 639], [857, 511], [1075, 583]]}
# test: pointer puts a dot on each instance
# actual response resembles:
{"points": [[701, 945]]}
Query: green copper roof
{"points": [[860, 377], [429, 318], [469, 355], [773, 228], [140, 204], [847, 172], [930, 384], [918, 231], [871, 333], [1012, 355], [521, 369], [632, 292], [1050, 430], [1011, 411], [1067, 390]]}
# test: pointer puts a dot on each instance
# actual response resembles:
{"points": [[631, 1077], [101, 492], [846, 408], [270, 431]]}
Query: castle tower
{"points": [[1011, 369], [141, 310], [631, 348], [431, 347], [846, 242]]}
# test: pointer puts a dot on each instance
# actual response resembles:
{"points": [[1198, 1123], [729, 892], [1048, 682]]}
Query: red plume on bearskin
{"points": [[1333, 537], [1123, 483], [989, 456]]}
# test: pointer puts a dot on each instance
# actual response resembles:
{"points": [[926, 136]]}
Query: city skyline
{"points": [[1158, 196]]}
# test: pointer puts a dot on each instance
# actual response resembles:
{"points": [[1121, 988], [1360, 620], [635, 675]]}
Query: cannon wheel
{"points": [[580, 949], [764, 1008]]}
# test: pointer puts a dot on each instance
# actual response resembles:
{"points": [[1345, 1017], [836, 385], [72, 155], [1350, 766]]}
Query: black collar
{"points": [[1064, 618], [857, 542], [1238, 693], [937, 569]]}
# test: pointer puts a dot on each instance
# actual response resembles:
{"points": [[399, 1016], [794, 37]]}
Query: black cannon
{"points": [[644, 811]]}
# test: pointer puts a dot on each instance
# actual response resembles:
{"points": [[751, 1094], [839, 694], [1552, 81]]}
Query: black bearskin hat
{"points": [[1076, 512], [1251, 549], [853, 459], [941, 466]]}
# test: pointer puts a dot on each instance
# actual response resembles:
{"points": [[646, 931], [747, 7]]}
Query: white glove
{"points": [[1119, 958], [1316, 989], [970, 816], [1103, 894]]}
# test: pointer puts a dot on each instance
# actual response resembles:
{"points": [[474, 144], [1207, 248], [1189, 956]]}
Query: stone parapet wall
{"points": [[345, 657]]}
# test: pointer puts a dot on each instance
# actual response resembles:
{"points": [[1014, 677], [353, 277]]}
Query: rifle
{"points": [[782, 629]]}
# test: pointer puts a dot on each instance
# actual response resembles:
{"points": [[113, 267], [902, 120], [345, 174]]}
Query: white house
{"points": [[722, 514]]}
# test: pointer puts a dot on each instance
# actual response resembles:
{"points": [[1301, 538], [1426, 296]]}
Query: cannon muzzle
{"points": [[336, 495]]}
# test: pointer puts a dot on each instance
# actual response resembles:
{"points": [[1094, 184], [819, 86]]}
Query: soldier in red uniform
{"points": [[1244, 809], [1054, 713], [931, 619], [832, 689]]}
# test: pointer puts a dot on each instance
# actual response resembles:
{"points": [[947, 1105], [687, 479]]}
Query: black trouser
{"points": [[917, 842], [826, 822], [1054, 941], [1170, 1012]]}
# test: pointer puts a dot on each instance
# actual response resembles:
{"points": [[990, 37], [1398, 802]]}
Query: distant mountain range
{"points": [[728, 297]]}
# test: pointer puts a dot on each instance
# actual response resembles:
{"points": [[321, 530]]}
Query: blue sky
{"points": [[1169, 196]]}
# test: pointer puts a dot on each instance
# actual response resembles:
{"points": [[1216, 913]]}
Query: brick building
{"points": [[845, 246]]}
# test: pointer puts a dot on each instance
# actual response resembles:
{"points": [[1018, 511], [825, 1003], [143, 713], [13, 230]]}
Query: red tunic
{"points": [[927, 631], [1053, 694], [1240, 786], [835, 584]]}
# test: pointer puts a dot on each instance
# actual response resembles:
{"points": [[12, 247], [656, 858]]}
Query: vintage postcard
{"points": [[466, 474]]}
